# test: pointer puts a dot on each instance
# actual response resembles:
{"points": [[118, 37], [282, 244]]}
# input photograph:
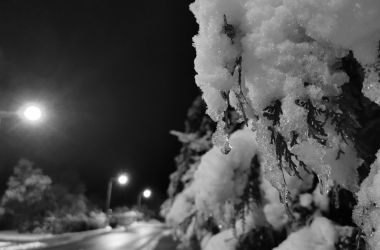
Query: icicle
{"points": [[324, 178], [242, 105], [238, 91], [284, 195], [323, 184], [220, 138], [284, 199]]}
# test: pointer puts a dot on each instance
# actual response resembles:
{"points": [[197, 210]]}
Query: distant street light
{"points": [[122, 179], [147, 193]]}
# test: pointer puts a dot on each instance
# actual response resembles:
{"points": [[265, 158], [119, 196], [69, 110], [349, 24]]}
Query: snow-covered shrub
{"points": [[303, 77], [74, 222], [27, 198], [33, 203], [282, 65]]}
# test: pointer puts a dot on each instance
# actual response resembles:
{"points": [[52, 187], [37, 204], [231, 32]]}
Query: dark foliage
{"points": [[354, 241], [251, 193], [262, 238], [200, 125], [354, 104], [228, 29], [283, 153], [273, 112], [315, 126], [342, 202], [252, 190]]}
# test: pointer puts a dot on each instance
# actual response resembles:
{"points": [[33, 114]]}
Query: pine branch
{"points": [[252, 189], [273, 113], [283, 153], [316, 129], [344, 120], [258, 238], [251, 192], [242, 101], [228, 29]]}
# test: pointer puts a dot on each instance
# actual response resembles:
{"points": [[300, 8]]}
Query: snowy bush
{"points": [[74, 222], [27, 198], [33, 203], [302, 76]]}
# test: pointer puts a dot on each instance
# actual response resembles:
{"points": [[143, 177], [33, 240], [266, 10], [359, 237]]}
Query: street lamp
{"points": [[32, 113], [122, 179], [146, 193], [29, 112]]}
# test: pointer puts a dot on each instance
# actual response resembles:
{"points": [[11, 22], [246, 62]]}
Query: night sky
{"points": [[114, 79]]}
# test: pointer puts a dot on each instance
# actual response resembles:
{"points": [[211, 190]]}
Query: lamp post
{"points": [[121, 179], [146, 193]]}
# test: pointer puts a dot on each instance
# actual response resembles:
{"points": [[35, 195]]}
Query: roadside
{"points": [[13, 235], [158, 237], [11, 240]]}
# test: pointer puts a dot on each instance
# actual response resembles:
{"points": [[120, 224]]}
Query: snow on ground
{"points": [[4, 243], [30, 245], [13, 235]]}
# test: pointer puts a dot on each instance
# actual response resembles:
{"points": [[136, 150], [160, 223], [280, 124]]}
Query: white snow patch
{"points": [[320, 235]]}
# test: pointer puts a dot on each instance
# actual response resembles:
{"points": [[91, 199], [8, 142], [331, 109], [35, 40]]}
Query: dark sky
{"points": [[114, 78]]}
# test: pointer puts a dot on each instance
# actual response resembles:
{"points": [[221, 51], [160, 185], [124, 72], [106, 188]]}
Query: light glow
{"points": [[122, 179], [32, 113], [147, 193]]}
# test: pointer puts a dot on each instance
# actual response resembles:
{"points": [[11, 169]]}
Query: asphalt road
{"points": [[138, 237]]}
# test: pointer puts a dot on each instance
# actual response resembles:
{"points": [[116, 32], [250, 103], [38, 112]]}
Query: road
{"points": [[136, 237]]}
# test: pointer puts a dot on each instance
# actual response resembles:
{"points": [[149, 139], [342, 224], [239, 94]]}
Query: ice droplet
{"points": [[226, 147]]}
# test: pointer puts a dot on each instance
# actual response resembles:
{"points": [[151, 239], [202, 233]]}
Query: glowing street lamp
{"points": [[121, 179], [32, 113], [146, 193]]}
